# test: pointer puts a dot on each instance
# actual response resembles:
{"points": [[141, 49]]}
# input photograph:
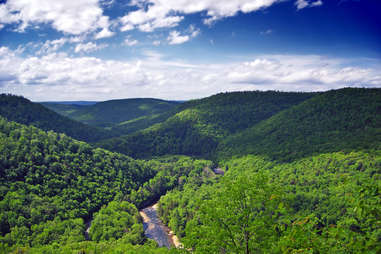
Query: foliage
{"points": [[174, 172], [21, 110], [339, 120], [48, 180], [197, 126], [302, 175], [328, 203], [117, 220], [114, 113], [109, 247], [239, 218]]}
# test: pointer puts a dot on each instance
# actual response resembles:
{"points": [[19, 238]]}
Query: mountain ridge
{"points": [[21, 110]]}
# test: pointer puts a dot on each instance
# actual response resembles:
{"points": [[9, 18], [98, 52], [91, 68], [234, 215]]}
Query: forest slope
{"points": [[113, 113], [337, 120], [51, 182], [302, 175], [328, 203], [198, 125], [21, 110]]}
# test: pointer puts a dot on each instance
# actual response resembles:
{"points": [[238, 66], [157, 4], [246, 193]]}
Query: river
{"points": [[156, 230], [153, 228]]}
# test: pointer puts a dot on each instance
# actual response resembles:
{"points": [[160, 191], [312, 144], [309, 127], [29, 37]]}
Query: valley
{"points": [[240, 172], [190, 127]]}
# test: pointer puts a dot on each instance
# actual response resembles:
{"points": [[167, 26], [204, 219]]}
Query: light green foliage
{"points": [[117, 220], [57, 231], [240, 217], [109, 247], [328, 203], [50, 182]]}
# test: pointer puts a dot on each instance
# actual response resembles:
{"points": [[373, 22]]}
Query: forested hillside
{"points": [[302, 174], [329, 203], [198, 125], [52, 184], [338, 120], [115, 113], [21, 110], [64, 109]]}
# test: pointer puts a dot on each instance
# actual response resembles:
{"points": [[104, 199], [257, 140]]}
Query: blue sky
{"points": [[184, 49]]}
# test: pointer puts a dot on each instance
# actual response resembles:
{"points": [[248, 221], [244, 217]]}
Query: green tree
{"points": [[242, 216]]}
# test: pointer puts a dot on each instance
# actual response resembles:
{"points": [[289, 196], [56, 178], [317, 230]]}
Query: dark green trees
{"points": [[197, 127], [21, 110]]}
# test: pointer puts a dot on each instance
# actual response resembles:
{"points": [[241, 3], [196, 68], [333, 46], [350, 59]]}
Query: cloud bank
{"points": [[56, 76], [86, 17]]}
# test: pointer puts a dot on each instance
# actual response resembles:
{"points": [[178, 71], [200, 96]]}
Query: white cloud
{"points": [[149, 21], [105, 33], [302, 73], [175, 38], [301, 4], [77, 39], [57, 76], [317, 3], [72, 17], [154, 14], [267, 32], [51, 46], [193, 31], [9, 63], [127, 27], [130, 42], [107, 3], [88, 47]]}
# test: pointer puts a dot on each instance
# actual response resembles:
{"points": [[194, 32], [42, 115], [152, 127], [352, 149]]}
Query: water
{"points": [[154, 228]]}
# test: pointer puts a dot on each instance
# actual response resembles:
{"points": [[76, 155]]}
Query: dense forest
{"points": [[199, 125], [302, 174], [340, 120], [121, 115], [329, 203], [52, 184], [21, 110]]}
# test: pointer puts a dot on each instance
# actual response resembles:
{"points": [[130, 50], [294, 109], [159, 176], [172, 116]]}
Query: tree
{"points": [[241, 217]]}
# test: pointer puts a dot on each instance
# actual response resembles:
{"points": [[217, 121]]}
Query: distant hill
{"points": [[115, 113], [80, 103], [21, 110], [196, 127], [62, 109], [339, 120]]}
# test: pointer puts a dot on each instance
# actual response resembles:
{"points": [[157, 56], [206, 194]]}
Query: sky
{"points": [[60, 50]]}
